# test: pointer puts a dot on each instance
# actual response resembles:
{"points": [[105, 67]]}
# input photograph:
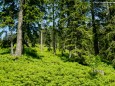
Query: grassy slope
{"points": [[49, 70]]}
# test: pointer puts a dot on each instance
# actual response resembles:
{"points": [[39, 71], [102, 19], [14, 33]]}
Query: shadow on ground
{"points": [[5, 52], [33, 53], [64, 57]]}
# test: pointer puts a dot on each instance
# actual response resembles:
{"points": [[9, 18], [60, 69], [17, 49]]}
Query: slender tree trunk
{"points": [[41, 41], [95, 37], [12, 52], [70, 53], [19, 46], [54, 39], [11, 40], [61, 35], [54, 42], [108, 12]]}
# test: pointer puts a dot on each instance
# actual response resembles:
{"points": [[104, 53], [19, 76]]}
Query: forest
{"points": [[57, 43]]}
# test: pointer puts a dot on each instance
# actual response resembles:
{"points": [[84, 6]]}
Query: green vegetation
{"points": [[57, 43], [35, 68]]}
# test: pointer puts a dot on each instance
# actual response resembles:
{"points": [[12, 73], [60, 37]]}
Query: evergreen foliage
{"points": [[76, 38]]}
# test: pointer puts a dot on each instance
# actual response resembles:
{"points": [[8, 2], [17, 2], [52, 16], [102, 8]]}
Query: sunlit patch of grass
{"points": [[50, 70]]}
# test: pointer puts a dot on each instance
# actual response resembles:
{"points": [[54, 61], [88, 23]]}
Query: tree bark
{"points": [[95, 37], [12, 52], [70, 54], [53, 38], [19, 46], [41, 40], [11, 40]]}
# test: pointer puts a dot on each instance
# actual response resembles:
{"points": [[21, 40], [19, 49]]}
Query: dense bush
{"points": [[50, 70]]}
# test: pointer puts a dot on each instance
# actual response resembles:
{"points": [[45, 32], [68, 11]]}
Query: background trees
{"points": [[8, 16], [79, 28]]}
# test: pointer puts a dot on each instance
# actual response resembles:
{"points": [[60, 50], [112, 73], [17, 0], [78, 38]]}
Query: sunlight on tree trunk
{"points": [[19, 45]]}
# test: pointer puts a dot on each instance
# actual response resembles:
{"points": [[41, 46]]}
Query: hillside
{"points": [[37, 68]]}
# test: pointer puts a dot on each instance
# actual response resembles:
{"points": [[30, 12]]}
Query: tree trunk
{"points": [[53, 38], [95, 37], [41, 41], [19, 46], [11, 40], [12, 52], [70, 54]]}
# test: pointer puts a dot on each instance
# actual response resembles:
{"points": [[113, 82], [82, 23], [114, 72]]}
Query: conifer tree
{"points": [[107, 31], [8, 15], [52, 6], [29, 16], [95, 37], [19, 46]]}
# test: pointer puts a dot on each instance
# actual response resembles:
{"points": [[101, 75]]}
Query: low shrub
{"points": [[50, 70]]}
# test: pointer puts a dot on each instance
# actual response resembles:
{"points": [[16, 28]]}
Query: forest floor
{"points": [[36, 68]]}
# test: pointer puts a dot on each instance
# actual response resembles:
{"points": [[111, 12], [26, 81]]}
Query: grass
{"points": [[36, 68]]}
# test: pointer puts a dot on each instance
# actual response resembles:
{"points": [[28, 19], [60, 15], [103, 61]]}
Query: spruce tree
{"points": [[19, 45], [8, 16]]}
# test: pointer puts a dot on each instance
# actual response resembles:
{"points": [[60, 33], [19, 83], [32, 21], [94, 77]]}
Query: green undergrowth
{"points": [[36, 68]]}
